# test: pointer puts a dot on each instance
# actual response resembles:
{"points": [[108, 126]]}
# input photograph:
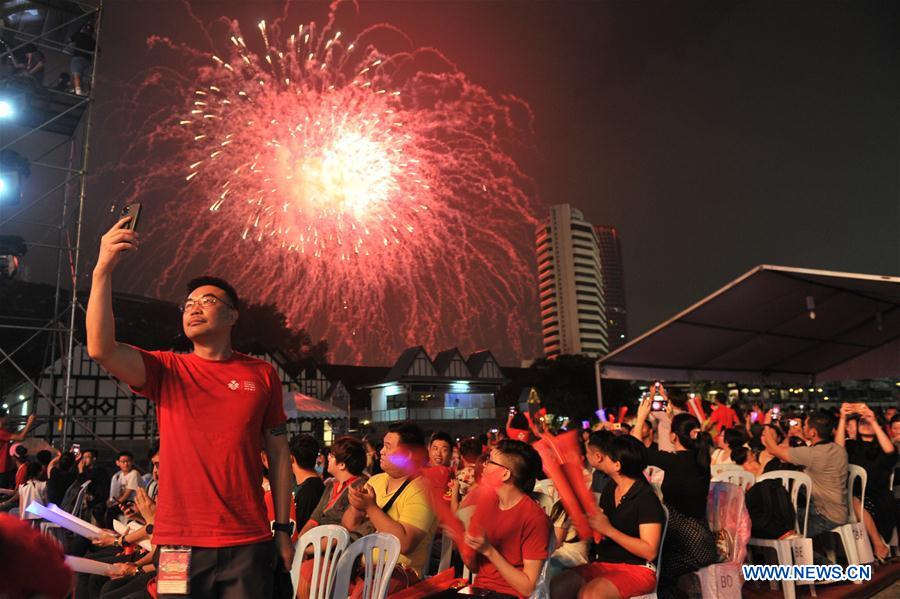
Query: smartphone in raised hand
{"points": [[134, 211]]}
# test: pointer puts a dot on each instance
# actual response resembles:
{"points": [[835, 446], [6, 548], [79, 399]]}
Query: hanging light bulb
{"points": [[811, 306]]}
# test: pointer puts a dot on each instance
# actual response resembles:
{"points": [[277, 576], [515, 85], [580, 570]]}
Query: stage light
{"points": [[6, 109], [13, 168], [10, 190]]}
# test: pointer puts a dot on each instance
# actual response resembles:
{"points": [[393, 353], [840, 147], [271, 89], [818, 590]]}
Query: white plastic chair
{"points": [[717, 469], [378, 567], [792, 482], [845, 531], [446, 553], [55, 531], [544, 500], [741, 478], [546, 487], [542, 585], [662, 540], [329, 542], [655, 476], [446, 546]]}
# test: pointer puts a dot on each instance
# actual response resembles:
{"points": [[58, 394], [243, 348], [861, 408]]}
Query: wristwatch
{"points": [[149, 529], [287, 527]]}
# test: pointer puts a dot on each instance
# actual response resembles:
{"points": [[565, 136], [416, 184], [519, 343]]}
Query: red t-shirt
{"points": [[211, 419], [521, 532], [5, 438], [440, 475], [723, 417]]}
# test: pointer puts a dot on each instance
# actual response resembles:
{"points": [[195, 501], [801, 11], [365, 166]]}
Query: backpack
{"points": [[771, 511], [70, 501]]}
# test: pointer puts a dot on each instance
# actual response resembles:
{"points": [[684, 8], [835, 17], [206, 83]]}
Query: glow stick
{"points": [[64, 519], [88, 566]]}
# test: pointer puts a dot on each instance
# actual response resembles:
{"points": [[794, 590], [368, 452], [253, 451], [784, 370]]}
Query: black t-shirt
{"points": [[60, 481], [598, 481], [83, 44], [877, 464], [685, 486], [99, 487], [306, 498], [639, 505]]}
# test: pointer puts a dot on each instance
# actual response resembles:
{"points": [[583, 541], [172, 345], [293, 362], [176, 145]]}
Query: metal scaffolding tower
{"points": [[44, 151]]}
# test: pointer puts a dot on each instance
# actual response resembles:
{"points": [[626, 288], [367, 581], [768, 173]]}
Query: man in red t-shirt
{"points": [[216, 410], [6, 438], [512, 551], [723, 416]]}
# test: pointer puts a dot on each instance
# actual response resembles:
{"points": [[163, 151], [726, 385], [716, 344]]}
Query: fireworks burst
{"points": [[373, 201]]}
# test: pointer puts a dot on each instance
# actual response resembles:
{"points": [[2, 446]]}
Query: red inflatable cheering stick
{"points": [[436, 487], [553, 466], [568, 449]]}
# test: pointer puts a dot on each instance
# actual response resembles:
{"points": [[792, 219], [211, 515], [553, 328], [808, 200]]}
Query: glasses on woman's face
{"points": [[496, 464], [205, 301]]}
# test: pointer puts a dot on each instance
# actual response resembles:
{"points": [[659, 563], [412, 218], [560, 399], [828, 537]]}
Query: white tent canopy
{"points": [[773, 324]]}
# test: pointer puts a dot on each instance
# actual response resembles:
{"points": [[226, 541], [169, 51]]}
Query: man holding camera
{"points": [[217, 409], [826, 464]]}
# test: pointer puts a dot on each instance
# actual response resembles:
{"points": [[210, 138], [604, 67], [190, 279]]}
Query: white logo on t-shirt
{"points": [[249, 386], [233, 385]]}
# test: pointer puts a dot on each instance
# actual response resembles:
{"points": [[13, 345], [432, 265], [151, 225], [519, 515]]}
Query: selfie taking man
{"points": [[216, 410]]}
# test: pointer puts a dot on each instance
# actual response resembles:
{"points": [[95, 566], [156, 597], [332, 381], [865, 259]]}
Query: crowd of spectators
{"points": [[369, 485]]}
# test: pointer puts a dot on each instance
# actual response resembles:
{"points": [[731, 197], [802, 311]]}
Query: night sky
{"points": [[714, 135]]}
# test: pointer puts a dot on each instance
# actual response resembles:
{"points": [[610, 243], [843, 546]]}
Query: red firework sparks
{"points": [[372, 201], [320, 164]]}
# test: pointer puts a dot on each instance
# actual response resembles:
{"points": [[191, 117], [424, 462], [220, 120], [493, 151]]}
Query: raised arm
{"points": [[19, 436], [643, 412], [122, 361], [770, 441], [883, 440], [840, 434]]}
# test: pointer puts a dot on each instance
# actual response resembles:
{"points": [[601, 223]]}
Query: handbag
{"points": [[863, 546]]}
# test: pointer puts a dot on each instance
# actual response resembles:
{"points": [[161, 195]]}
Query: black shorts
{"points": [[231, 572]]}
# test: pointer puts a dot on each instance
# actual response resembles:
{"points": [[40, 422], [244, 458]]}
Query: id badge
{"points": [[174, 571]]}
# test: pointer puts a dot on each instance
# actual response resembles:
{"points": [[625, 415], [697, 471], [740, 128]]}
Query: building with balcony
{"points": [[570, 285]]}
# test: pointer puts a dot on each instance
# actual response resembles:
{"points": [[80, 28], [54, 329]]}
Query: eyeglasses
{"points": [[496, 464], [205, 302]]}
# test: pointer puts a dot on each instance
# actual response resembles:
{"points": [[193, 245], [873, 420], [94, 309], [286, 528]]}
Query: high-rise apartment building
{"points": [[570, 285], [613, 285]]}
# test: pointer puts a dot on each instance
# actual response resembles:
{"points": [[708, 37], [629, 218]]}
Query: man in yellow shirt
{"points": [[409, 516]]}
